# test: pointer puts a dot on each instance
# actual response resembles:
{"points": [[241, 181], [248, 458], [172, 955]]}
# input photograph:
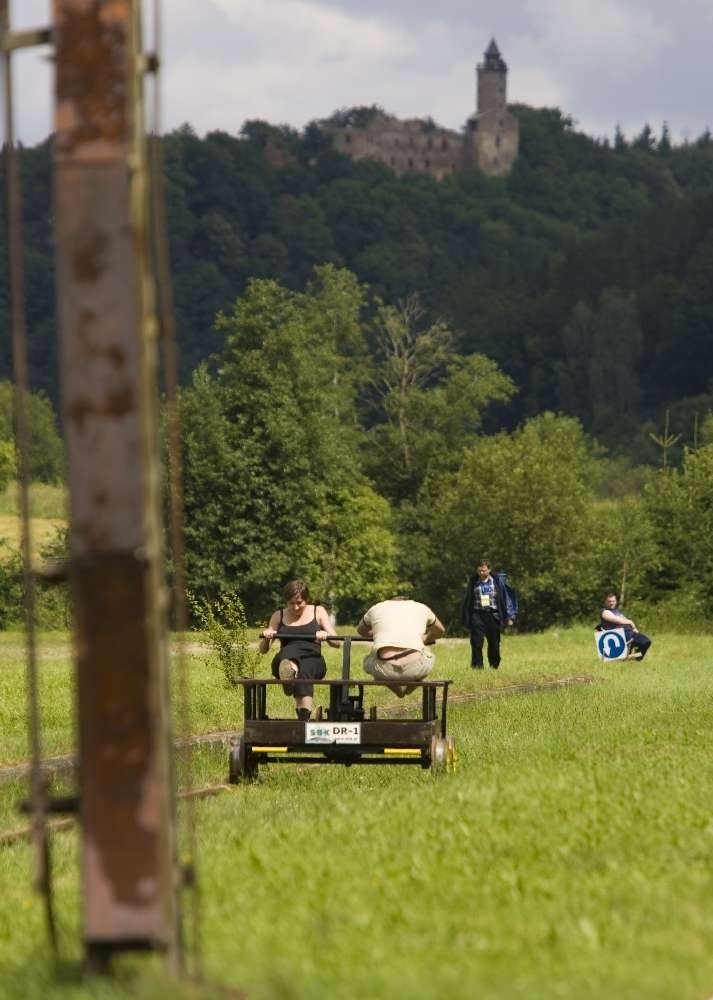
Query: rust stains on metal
{"points": [[91, 348], [108, 403], [119, 793], [103, 395], [92, 79], [88, 257], [115, 403]]}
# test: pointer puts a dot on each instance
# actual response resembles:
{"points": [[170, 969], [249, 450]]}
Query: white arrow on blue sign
{"points": [[611, 644]]}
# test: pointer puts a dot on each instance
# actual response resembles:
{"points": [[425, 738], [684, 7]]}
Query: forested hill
{"points": [[586, 275]]}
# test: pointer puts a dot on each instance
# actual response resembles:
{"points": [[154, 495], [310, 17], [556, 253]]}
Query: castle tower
{"points": [[492, 134], [492, 81]]}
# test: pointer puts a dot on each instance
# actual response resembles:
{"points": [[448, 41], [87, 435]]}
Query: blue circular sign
{"points": [[612, 644]]}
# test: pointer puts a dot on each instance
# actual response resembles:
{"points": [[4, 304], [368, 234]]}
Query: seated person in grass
{"points": [[302, 628], [400, 630], [612, 616]]}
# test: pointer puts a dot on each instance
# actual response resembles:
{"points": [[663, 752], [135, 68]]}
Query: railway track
{"points": [[64, 763]]}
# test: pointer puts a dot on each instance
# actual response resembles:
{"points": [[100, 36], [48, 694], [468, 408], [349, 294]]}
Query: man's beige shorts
{"points": [[387, 670]]}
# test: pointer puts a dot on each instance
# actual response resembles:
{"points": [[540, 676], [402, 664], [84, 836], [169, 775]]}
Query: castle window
{"points": [[444, 144], [410, 162], [392, 161], [347, 138], [427, 164], [497, 141], [429, 144]]}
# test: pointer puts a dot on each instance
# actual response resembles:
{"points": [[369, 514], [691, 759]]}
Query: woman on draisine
{"points": [[302, 628]]}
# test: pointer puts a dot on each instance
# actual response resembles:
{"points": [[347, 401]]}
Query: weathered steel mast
{"points": [[107, 330]]}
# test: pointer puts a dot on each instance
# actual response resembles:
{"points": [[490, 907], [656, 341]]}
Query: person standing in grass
{"points": [[489, 603], [611, 616], [400, 629], [301, 628]]}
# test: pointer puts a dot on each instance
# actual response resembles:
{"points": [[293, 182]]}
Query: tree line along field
{"points": [[428, 370], [582, 239], [568, 855], [371, 421]]}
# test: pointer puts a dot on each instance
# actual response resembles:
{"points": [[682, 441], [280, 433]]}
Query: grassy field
{"points": [[570, 855], [48, 510]]}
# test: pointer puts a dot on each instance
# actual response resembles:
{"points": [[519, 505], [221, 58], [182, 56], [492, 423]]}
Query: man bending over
{"points": [[400, 630]]}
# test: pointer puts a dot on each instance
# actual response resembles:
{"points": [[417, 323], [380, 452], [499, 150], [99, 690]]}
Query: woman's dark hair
{"points": [[295, 588]]}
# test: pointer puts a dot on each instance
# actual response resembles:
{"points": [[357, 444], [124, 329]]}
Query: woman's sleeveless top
{"points": [[300, 647]]}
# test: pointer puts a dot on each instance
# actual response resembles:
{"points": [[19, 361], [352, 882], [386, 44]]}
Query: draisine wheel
{"points": [[242, 764], [439, 753], [236, 761]]}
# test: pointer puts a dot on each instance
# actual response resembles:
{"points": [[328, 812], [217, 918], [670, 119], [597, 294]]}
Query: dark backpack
{"points": [[512, 606]]}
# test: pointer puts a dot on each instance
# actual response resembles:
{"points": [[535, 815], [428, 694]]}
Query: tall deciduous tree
{"points": [[273, 482], [625, 548], [598, 378], [523, 500], [430, 401], [410, 356], [680, 506], [7, 463], [46, 453]]}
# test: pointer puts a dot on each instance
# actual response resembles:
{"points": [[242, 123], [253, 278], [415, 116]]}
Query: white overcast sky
{"points": [[603, 62]]}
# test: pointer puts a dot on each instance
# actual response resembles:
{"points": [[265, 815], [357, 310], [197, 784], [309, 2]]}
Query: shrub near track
{"points": [[570, 854]]}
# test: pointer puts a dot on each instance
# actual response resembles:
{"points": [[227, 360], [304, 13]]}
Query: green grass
{"points": [[46, 501], [48, 507], [570, 855]]}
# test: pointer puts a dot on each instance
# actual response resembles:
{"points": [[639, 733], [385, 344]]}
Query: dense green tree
{"points": [[503, 261], [272, 478], [435, 425], [598, 377], [356, 117], [351, 560], [46, 452], [522, 499], [306, 233], [11, 587], [455, 409], [224, 496], [679, 503], [7, 463], [410, 356], [706, 429], [625, 549], [665, 145], [428, 402]]}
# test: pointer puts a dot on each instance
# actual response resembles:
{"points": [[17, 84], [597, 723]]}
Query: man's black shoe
{"points": [[494, 666]]}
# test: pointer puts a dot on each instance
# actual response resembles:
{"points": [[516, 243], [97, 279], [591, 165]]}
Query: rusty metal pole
{"points": [[107, 329]]}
